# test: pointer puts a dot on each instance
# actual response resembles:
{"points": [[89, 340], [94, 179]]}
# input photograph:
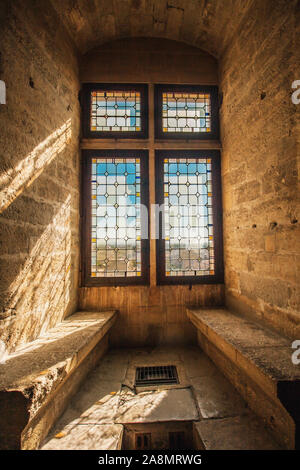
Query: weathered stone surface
{"points": [[151, 315], [97, 399], [101, 411], [159, 405], [273, 292], [113, 368], [262, 370], [260, 141], [276, 362], [38, 428], [252, 340], [209, 26], [37, 370], [216, 397], [156, 410], [196, 364], [238, 433], [87, 437], [273, 413], [39, 250]]}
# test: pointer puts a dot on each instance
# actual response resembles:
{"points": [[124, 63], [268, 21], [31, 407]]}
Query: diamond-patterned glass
{"points": [[116, 111], [115, 218], [188, 223], [186, 112]]}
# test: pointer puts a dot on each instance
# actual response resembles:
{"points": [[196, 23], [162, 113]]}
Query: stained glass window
{"points": [[189, 244], [115, 186], [115, 217], [186, 112], [115, 111]]}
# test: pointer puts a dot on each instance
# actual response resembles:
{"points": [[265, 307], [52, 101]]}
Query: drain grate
{"points": [[156, 375]]}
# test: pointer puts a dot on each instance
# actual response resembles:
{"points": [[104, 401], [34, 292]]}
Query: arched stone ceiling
{"points": [[207, 24]]}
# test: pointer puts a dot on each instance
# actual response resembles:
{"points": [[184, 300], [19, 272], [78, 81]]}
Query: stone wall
{"points": [[39, 172], [148, 60], [260, 140], [206, 24], [151, 315]]}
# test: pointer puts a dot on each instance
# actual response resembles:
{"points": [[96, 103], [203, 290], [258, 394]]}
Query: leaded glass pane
{"points": [[186, 112], [115, 111], [188, 222], [115, 218]]}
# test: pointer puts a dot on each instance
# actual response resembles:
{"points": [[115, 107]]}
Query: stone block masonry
{"points": [[260, 139], [39, 172]]}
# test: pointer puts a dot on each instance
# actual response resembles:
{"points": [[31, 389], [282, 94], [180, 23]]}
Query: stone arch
{"points": [[149, 59]]}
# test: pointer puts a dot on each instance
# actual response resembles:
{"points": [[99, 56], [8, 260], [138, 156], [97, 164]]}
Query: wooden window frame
{"points": [[212, 90], [86, 278], [218, 277], [87, 88]]}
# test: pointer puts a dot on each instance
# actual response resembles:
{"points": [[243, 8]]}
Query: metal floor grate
{"points": [[156, 375]]}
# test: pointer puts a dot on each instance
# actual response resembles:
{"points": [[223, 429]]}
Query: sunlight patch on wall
{"points": [[14, 181], [40, 294]]}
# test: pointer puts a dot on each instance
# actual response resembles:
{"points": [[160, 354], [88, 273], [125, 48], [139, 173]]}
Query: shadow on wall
{"points": [[36, 243]]}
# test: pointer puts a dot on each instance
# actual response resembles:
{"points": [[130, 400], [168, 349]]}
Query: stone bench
{"points": [[258, 362], [37, 381]]}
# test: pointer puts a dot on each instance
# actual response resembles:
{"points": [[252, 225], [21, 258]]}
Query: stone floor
{"points": [[108, 399]]}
